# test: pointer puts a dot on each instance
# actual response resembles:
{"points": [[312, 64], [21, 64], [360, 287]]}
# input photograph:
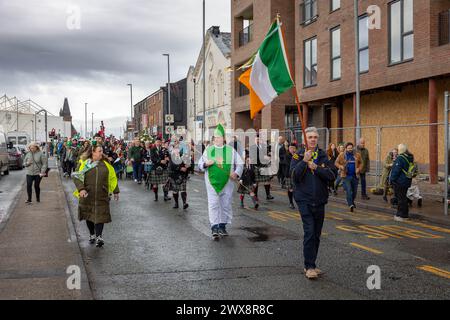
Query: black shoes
{"points": [[215, 234], [365, 197], [223, 232], [28, 202], [100, 242], [291, 206], [270, 197], [352, 208], [185, 206]]}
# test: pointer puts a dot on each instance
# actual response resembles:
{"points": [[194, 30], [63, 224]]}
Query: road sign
{"points": [[169, 118], [170, 129], [181, 130]]}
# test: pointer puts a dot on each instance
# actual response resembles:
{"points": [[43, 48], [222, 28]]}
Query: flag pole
{"points": [[297, 100]]}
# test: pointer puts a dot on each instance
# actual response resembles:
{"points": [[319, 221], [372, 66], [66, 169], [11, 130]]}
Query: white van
{"points": [[4, 156]]}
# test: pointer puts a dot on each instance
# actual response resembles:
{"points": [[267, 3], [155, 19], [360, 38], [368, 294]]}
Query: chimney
{"points": [[216, 31]]}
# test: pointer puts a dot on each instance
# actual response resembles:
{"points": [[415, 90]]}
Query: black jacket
{"points": [[248, 176], [311, 188], [157, 156], [175, 169], [398, 176]]}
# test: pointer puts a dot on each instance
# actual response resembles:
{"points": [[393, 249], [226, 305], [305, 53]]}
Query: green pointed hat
{"points": [[219, 132]]}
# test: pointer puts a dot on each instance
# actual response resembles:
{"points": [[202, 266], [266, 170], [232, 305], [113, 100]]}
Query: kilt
{"points": [[245, 190], [287, 184], [262, 178], [173, 186], [155, 179]]}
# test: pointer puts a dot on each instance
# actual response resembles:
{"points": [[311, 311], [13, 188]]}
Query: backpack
{"points": [[413, 169]]}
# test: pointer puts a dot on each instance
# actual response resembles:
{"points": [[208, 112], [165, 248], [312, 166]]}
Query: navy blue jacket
{"points": [[310, 187], [398, 177]]}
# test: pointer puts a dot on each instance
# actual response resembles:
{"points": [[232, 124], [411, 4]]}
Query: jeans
{"points": [[37, 189], [363, 184], [403, 208], [312, 217], [137, 171], [351, 189]]}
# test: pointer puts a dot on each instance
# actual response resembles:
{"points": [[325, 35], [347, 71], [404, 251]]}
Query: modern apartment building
{"points": [[404, 71]]}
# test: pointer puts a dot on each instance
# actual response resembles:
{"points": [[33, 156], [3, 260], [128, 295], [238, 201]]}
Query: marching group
{"points": [[307, 173]]}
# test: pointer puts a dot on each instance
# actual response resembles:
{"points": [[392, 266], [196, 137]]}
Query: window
{"points": [[336, 53], [363, 45], [310, 62], [220, 89], [246, 34], [401, 31], [308, 11], [444, 27], [335, 4]]}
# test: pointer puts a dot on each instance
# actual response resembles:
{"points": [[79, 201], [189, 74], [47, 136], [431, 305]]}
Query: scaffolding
{"points": [[14, 105]]}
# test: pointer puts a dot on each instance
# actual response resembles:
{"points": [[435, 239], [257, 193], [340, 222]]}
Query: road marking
{"points": [[366, 248], [196, 190], [426, 226], [277, 216], [436, 271]]}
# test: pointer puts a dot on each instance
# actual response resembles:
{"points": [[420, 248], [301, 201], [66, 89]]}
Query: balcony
{"points": [[246, 35], [444, 28], [308, 12]]}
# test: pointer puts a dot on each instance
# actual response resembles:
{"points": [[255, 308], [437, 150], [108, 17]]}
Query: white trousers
{"points": [[220, 205]]}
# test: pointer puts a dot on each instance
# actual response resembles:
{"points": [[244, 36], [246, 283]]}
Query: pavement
{"points": [[155, 252], [38, 245]]}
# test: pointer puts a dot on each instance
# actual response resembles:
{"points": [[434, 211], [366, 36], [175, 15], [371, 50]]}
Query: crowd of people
{"points": [[307, 173]]}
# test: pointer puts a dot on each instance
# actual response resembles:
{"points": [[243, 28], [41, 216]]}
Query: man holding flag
{"points": [[223, 166], [268, 75]]}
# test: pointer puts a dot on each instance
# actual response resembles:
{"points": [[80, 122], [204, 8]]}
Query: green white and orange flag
{"points": [[269, 74]]}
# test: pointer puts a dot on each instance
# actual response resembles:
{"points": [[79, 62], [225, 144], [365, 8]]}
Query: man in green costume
{"points": [[222, 165]]}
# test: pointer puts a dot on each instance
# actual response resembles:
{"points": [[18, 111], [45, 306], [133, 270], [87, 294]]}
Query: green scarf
{"points": [[88, 165], [220, 174]]}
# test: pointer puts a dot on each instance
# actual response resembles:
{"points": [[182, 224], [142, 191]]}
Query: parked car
{"points": [[4, 156], [16, 157]]}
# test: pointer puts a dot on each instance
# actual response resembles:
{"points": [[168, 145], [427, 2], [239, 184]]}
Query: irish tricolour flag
{"points": [[269, 75]]}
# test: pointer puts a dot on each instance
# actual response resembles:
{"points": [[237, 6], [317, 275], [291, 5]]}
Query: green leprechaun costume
{"points": [[220, 162]]}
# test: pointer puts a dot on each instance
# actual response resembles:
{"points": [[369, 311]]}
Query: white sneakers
{"points": [[400, 219], [313, 274]]}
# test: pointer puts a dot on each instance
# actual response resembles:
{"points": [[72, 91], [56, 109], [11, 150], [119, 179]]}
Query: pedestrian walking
{"points": [[247, 183], [159, 175], [311, 174], [178, 176], [403, 171], [69, 159], [349, 164], [36, 164], [365, 168], [338, 182], [385, 185], [135, 155], [260, 157], [223, 166], [333, 154], [287, 180], [95, 182]]}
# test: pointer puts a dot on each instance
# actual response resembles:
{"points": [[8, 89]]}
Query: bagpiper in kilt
{"points": [[247, 183], [178, 174], [261, 169], [159, 174]]}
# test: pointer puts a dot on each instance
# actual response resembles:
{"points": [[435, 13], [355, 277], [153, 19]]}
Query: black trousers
{"points": [[96, 229], [403, 208], [37, 189]]}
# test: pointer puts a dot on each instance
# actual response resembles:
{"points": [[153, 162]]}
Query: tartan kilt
{"points": [[261, 178], [173, 186], [155, 179], [287, 183], [244, 190]]}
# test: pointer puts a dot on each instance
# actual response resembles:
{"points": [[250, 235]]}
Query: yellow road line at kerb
{"points": [[436, 271], [365, 248]]}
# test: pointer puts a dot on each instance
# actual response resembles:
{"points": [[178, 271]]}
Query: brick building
{"points": [[141, 116], [155, 112], [250, 22], [404, 71]]}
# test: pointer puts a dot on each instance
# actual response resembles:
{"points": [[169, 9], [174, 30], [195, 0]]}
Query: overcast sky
{"points": [[45, 57]]}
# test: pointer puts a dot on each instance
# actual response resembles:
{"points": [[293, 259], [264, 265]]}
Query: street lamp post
{"points": [[204, 70], [168, 83], [357, 75], [85, 121], [92, 125]]}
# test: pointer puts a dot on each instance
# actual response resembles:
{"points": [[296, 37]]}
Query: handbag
{"points": [[46, 171]]}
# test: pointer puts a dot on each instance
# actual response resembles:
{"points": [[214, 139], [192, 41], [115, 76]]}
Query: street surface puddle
{"points": [[263, 234]]}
